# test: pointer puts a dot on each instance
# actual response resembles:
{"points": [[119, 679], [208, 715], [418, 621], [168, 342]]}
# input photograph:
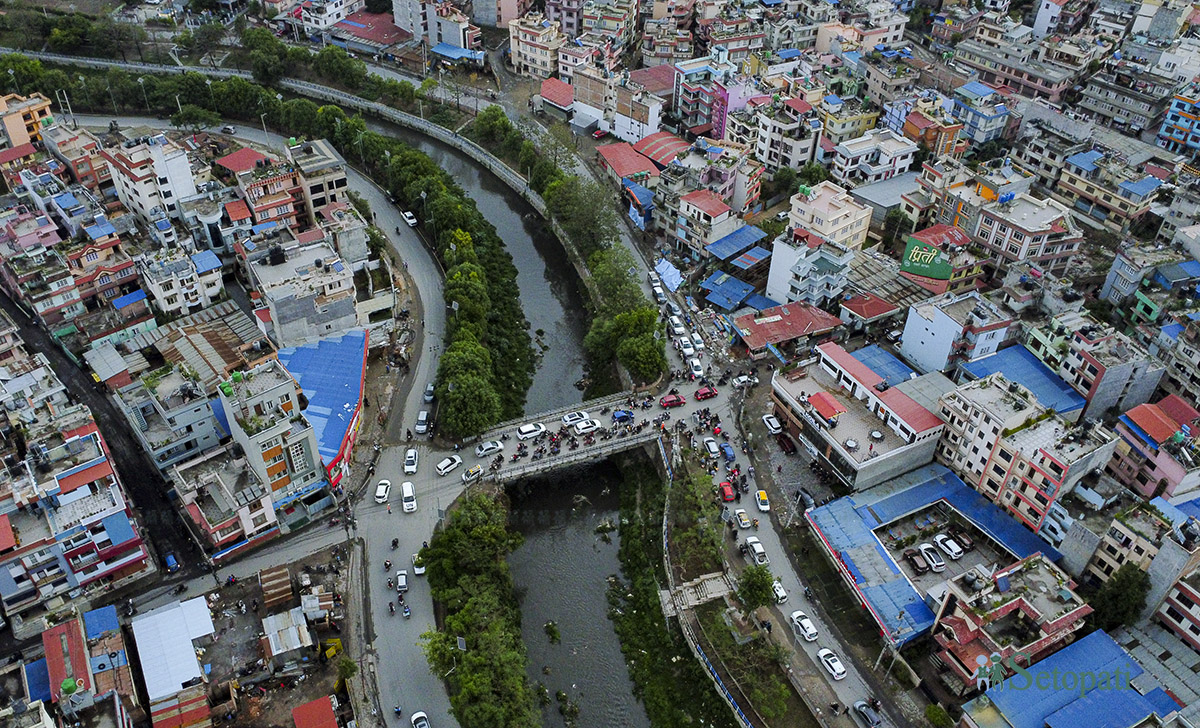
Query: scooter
{"points": [[395, 543], [387, 565], [407, 612], [391, 607]]}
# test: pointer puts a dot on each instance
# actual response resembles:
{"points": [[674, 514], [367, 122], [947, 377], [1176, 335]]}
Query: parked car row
{"points": [[926, 557]]}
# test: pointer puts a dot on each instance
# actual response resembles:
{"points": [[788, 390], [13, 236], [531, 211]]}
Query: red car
{"points": [[706, 393], [599, 134], [672, 400], [726, 491]]}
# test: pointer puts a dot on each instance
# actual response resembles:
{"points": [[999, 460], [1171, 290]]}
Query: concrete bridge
{"points": [[525, 468]]}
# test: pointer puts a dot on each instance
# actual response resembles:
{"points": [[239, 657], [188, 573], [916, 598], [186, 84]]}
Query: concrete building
{"points": [[224, 499], [307, 290], [930, 125], [1022, 228], [274, 192], [878, 155], [1183, 365], [1180, 130], [726, 169], [347, 232], [98, 261], [1133, 264], [783, 132], [982, 111], [179, 284], [432, 22], [1014, 451], [701, 96], [79, 150], [614, 19], [939, 260], [1179, 612], [1112, 372], [1129, 97], [951, 193], [740, 36], [828, 211], [1106, 189], [22, 119], [169, 641], [568, 14], [807, 269], [322, 174], [664, 42], [150, 172], [499, 13], [317, 17], [533, 44], [953, 328], [168, 410], [1156, 454], [846, 118], [703, 218], [838, 404]]}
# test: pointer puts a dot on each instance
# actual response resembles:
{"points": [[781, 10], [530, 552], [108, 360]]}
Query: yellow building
{"points": [[23, 118]]}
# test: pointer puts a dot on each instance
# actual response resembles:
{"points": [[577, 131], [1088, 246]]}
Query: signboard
{"points": [[925, 260]]}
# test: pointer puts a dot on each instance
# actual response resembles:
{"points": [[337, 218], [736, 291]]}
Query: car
{"points": [[948, 546], [803, 626], [833, 665], [171, 562], [599, 134], [894, 335], [571, 418], [587, 426], [916, 561], [418, 565], [402, 580], [785, 443], [622, 416], [727, 451], [779, 592], [653, 278], [696, 369], [746, 380], [422, 425], [658, 294], [962, 538], [409, 218], [410, 461], [672, 400], [420, 720], [473, 473], [488, 447], [706, 393], [772, 423], [530, 431], [755, 551], [676, 326], [382, 490], [685, 346], [448, 464], [726, 492], [710, 447], [809, 502], [931, 556], [674, 308], [697, 341], [866, 714], [764, 504], [743, 520], [782, 215], [408, 497], [428, 396], [229, 129]]}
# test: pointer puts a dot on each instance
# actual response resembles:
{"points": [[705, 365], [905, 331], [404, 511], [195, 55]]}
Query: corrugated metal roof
{"points": [[164, 645]]}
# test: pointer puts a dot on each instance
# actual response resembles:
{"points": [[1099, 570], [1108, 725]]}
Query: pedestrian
{"points": [[389, 508], [779, 468]]}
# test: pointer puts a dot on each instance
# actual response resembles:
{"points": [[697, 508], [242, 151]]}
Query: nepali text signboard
{"points": [[922, 259]]}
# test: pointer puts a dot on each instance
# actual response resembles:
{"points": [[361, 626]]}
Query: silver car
{"points": [[488, 447]]}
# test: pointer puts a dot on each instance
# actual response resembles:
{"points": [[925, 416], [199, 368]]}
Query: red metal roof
{"points": [[800, 105], [237, 210], [941, 235], [558, 92], [662, 146], [314, 235], [707, 201], [827, 144], [241, 160], [1178, 409], [83, 477], [658, 80], [11, 155], [906, 408], [826, 405], [868, 306], [625, 161], [66, 656], [780, 324], [7, 539], [919, 120], [373, 27], [315, 714], [1154, 422]]}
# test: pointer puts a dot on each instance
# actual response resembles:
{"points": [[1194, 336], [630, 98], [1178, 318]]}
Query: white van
{"points": [[676, 326], [408, 497]]}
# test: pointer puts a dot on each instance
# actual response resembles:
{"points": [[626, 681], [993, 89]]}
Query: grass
{"points": [[695, 526]]}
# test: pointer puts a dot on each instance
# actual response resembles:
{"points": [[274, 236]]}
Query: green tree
{"points": [[266, 67], [938, 717], [492, 124], [427, 86], [770, 697], [754, 587], [70, 33], [813, 174], [643, 356], [470, 407], [580, 208], [346, 669], [1121, 599], [206, 38], [466, 285], [896, 225], [194, 119], [617, 290], [465, 357], [785, 182], [558, 144]]}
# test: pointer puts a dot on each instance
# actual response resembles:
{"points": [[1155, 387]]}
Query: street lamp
{"points": [[263, 118], [211, 99], [177, 104], [12, 75], [424, 206], [142, 83], [83, 85]]}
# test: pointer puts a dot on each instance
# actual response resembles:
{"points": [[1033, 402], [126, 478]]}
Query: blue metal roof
{"points": [[751, 257], [262, 226], [100, 229], [118, 528], [787, 54], [892, 370], [833, 99], [726, 291], [37, 677], [330, 372], [66, 200], [219, 413], [205, 261], [100, 621], [1142, 187], [1019, 365], [1191, 267], [759, 302], [1173, 330], [456, 53], [1141, 434], [977, 89], [735, 242], [1086, 160], [122, 301]]}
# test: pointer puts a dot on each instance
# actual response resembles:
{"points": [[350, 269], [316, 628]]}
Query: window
{"points": [[299, 457], [92, 257]]}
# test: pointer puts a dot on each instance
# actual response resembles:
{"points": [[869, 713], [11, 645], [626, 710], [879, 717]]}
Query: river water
{"points": [[562, 570]]}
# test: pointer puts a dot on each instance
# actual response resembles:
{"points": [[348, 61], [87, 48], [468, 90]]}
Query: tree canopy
{"points": [[1121, 599], [754, 587]]}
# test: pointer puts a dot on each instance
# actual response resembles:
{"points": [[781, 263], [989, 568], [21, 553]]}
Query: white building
{"points": [[806, 268], [952, 328], [830, 212], [318, 16], [436, 21], [783, 132], [150, 172], [179, 284], [873, 157], [533, 44]]}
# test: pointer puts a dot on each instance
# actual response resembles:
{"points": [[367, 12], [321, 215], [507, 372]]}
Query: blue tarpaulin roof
{"points": [[263, 226], [163, 224], [1019, 365], [833, 99], [726, 291], [884, 364], [100, 229], [66, 200], [1191, 267], [644, 196], [456, 53], [668, 274], [100, 621], [735, 242], [330, 373], [787, 54], [37, 676], [219, 413], [205, 261], [759, 302], [1173, 330], [1086, 160], [751, 257], [121, 302]]}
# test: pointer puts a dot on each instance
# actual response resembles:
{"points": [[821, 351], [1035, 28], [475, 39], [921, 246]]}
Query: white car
{"points": [[410, 461], [409, 218], [773, 426], [803, 626], [948, 546], [229, 129], [757, 553], [571, 418], [473, 473], [418, 565], [422, 426], [779, 592], [488, 447], [448, 464], [587, 426], [932, 557], [382, 491], [697, 341], [408, 497], [764, 503], [710, 446], [685, 347], [420, 720], [402, 580], [530, 431], [676, 326], [831, 663], [694, 366], [745, 381]]}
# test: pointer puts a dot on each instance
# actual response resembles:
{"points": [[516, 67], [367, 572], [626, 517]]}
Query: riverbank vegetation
{"points": [[468, 575], [488, 362]]}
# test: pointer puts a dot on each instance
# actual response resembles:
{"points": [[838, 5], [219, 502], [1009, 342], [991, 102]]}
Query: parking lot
{"points": [[921, 528]]}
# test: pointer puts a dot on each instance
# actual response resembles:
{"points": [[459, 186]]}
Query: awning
{"points": [[826, 405]]}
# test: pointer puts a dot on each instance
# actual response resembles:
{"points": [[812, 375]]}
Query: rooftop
{"points": [[315, 156], [1018, 364], [331, 373], [219, 483], [784, 323]]}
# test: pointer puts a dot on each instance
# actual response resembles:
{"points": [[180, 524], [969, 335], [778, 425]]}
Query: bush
{"points": [[938, 717]]}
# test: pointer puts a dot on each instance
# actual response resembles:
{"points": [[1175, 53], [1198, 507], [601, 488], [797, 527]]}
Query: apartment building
{"points": [[878, 155], [1180, 612], [179, 283], [101, 267], [982, 111], [888, 74], [878, 25], [807, 269], [274, 192], [322, 174], [739, 36], [499, 13], [34, 272], [728, 170], [1023, 457], [1112, 372], [829, 211], [637, 113], [1132, 265], [665, 43], [22, 119], [224, 500], [533, 43], [702, 218], [1129, 97], [168, 410], [433, 22], [614, 19], [307, 290], [931, 126], [939, 259], [79, 150], [783, 132], [1106, 188], [1183, 365], [951, 193], [317, 17], [1157, 452], [700, 96], [844, 119], [953, 328], [952, 23], [345, 229], [1021, 228], [589, 50], [568, 14], [150, 172]]}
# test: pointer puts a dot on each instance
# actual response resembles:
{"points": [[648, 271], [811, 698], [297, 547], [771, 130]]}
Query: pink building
{"points": [[1157, 454]]}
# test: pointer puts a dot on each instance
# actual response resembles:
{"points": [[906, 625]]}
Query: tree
{"points": [[785, 182], [559, 145], [206, 38], [754, 588], [266, 67], [427, 87], [1121, 599], [470, 407], [938, 717], [194, 119], [896, 224], [643, 356], [813, 174], [70, 33], [346, 669]]}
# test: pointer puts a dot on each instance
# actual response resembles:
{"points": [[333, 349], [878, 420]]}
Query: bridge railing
{"points": [[592, 405], [562, 460]]}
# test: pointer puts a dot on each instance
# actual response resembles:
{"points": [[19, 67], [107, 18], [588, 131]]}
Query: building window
{"points": [[299, 458], [92, 257]]}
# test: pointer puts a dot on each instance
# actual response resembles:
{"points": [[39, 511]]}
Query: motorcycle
{"points": [[395, 543], [391, 607], [407, 612], [387, 565]]}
